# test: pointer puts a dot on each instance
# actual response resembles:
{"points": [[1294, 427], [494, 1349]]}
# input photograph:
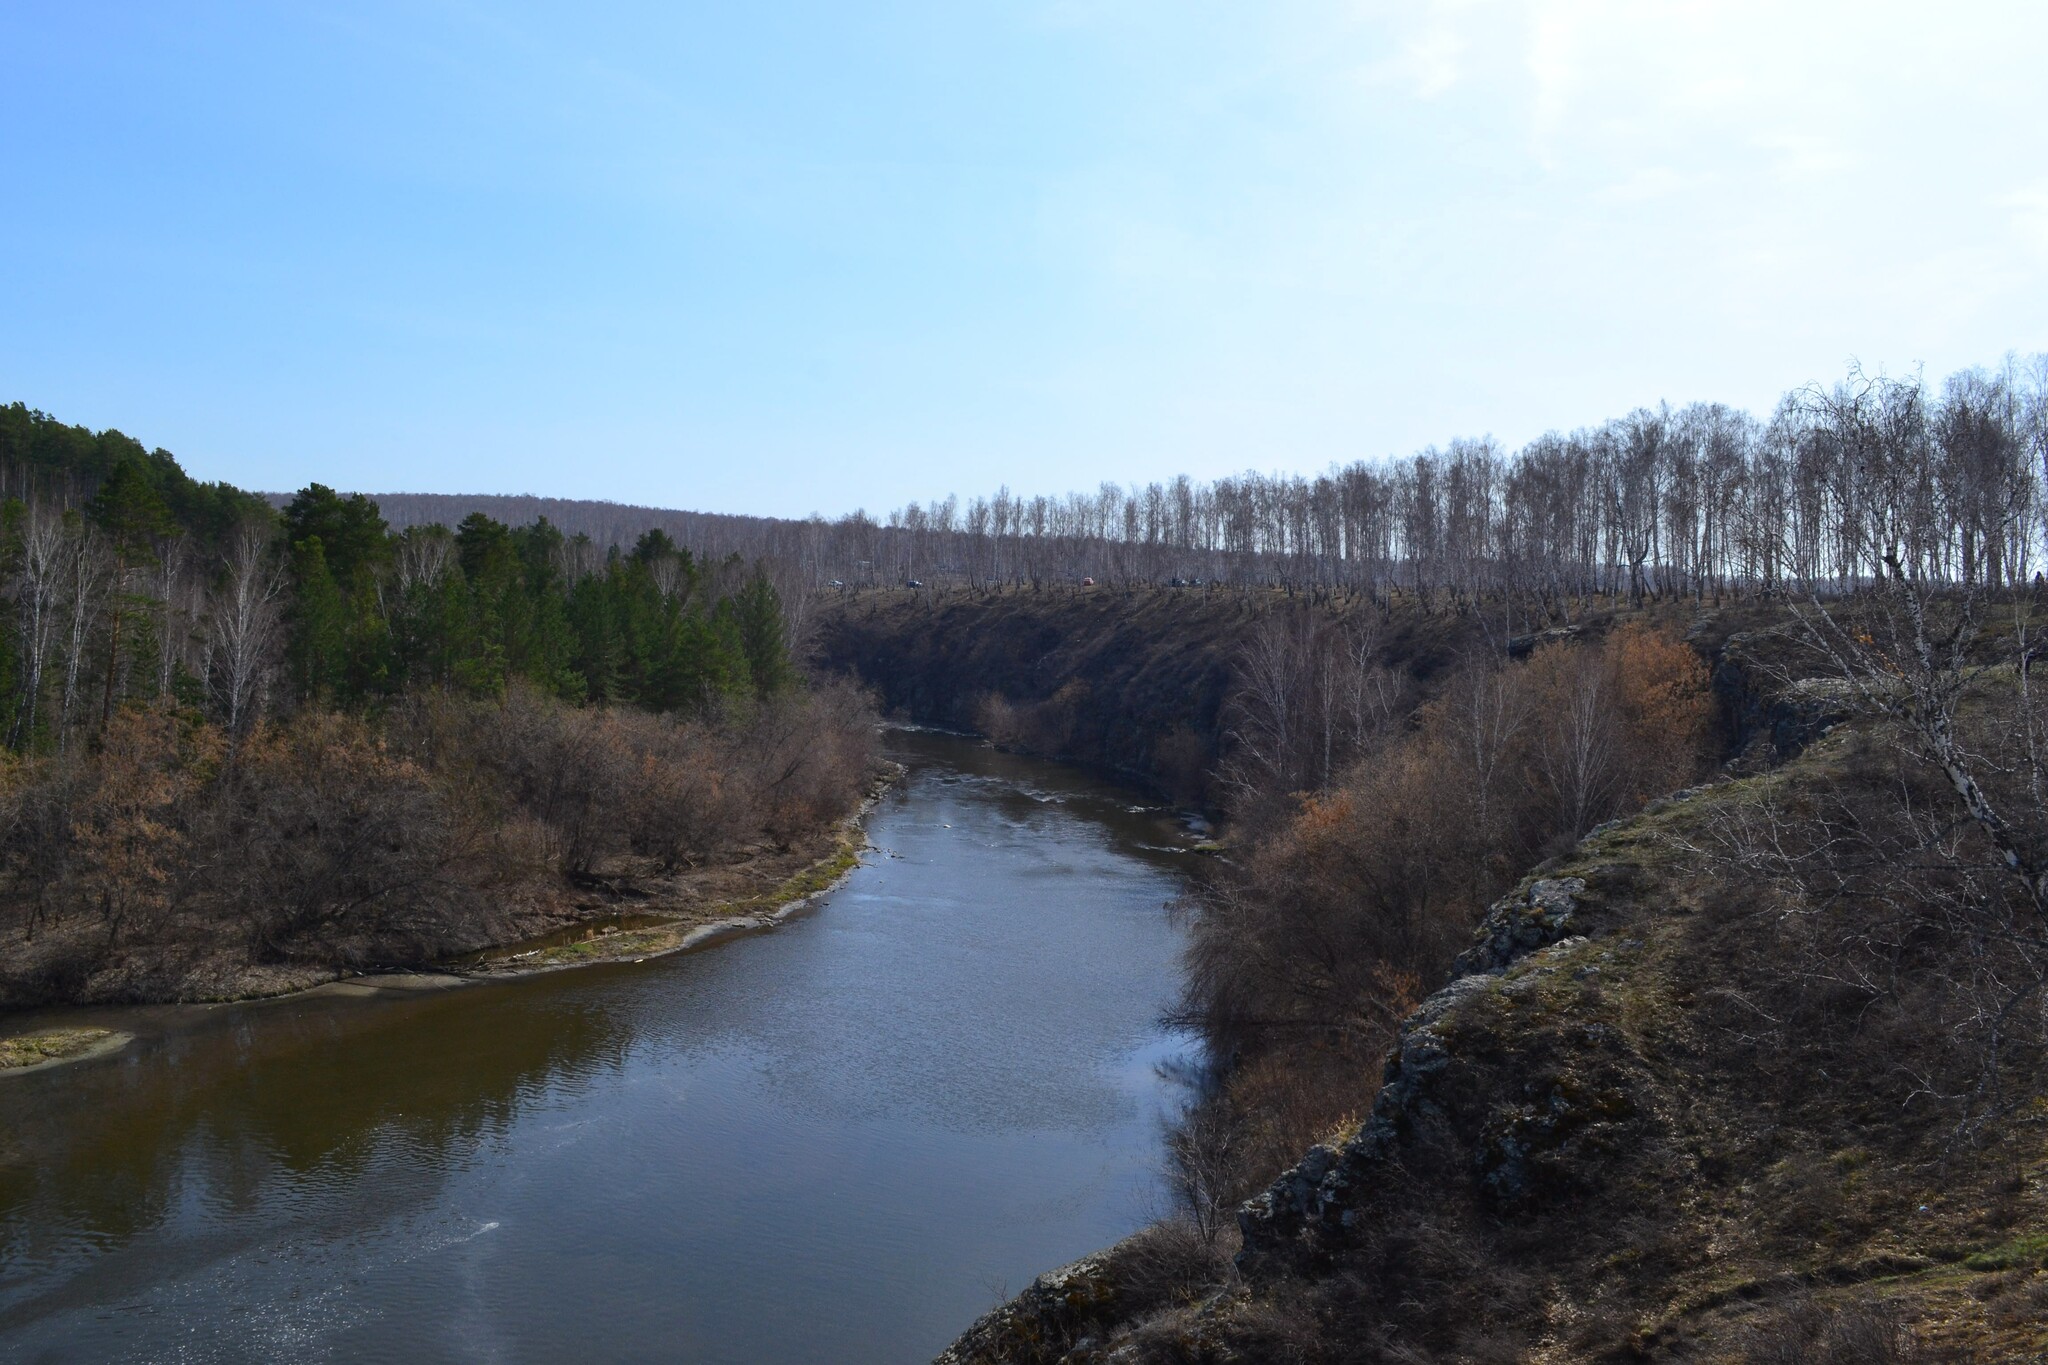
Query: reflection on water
{"points": [[837, 1142]]}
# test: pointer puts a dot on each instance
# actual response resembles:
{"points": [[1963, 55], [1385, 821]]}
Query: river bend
{"points": [[837, 1142]]}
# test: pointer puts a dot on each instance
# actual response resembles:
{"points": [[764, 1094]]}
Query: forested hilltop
{"points": [[1703, 500], [251, 746]]}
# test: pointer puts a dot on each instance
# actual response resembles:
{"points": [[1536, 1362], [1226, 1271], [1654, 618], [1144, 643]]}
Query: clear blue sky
{"points": [[783, 257]]}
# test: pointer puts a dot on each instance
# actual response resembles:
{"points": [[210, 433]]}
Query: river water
{"points": [[838, 1142]]}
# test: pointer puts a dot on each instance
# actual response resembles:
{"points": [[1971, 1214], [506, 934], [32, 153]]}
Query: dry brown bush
{"points": [[1376, 883], [811, 754], [165, 850], [324, 843], [1034, 727], [1328, 926], [563, 767], [167, 858], [1173, 1260], [680, 791], [1862, 1332]]}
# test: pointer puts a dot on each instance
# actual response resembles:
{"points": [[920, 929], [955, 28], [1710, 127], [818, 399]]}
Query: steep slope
{"points": [[1131, 681], [1671, 1108]]}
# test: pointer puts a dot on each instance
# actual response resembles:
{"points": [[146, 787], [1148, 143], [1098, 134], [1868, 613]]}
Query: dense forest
{"points": [[246, 739], [130, 580]]}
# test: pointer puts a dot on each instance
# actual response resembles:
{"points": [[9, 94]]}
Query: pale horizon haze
{"points": [[791, 257]]}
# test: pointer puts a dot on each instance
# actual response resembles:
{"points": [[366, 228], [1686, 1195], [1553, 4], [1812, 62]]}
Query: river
{"points": [[838, 1142]]}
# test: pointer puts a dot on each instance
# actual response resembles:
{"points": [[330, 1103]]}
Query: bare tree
{"points": [[247, 623], [1576, 748], [1266, 709], [171, 588], [423, 557], [88, 568], [38, 594]]}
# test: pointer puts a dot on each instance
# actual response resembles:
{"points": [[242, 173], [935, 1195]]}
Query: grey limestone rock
{"points": [[1520, 923], [1313, 1201]]}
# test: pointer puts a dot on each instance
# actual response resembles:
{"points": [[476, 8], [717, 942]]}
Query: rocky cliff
{"points": [[1655, 1116]]}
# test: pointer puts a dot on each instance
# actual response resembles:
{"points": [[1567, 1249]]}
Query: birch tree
{"points": [[247, 624]]}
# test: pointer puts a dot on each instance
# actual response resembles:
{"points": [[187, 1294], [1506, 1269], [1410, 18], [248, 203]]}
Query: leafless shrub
{"points": [[321, 842], [1174, 1259], [1867, 1331], [563, 767], [2022, 1300], [323, 838], [1044, 727], [811, 754], [1887, 939], [1370, 888], [997, 717], [606, 781], [1283, 1333], [1311, 695], [1206, 1172]]}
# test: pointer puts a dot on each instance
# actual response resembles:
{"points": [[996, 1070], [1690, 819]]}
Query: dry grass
{"points": [[51, 1045], [609, 943]]}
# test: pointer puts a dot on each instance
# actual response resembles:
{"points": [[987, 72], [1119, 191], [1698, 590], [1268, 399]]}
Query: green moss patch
{"points": [[820, 876], [53, 1045], [2020, 1253]]}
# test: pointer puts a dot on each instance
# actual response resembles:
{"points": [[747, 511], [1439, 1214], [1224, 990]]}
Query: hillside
{"points": [[1749, 1073], [1679, 1101], [1133, 681], [42, 458], [708, 534], [242, 748]]}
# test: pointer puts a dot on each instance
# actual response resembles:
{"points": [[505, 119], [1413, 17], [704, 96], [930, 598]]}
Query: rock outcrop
{"points": [[1771, 714], [1516, 925]]}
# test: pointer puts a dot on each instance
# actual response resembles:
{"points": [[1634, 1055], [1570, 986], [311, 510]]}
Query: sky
{"points": [[784, 258]]}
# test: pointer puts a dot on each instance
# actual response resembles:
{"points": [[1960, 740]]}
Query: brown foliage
{"points": [[1316, 941], [169, 857], [308, 841], [1386, 871], [1044, 727], [1665, 708], [129, 849], [323, 843], [605, 782]]}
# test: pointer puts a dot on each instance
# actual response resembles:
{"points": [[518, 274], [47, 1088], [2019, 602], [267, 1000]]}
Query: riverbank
{"points": [[45, 1048], [825, 1142], [631, 937], [150, 870], [693, 909], [1657, 1110]]}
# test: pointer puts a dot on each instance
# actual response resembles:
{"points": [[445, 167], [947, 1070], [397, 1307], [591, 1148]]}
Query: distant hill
{"points": [[606, 523]]}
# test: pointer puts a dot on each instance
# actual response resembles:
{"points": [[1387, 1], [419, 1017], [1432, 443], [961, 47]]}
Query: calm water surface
{"points": [[837, 1142]]}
